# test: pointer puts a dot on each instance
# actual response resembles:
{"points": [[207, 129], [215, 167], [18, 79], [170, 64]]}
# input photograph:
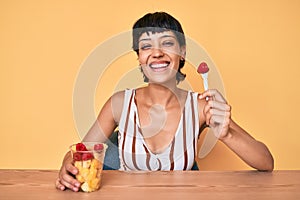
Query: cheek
{"points": [[176, 60], [142, 59]]}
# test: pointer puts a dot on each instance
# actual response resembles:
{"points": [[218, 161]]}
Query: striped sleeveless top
{"points": [[178, 155]]}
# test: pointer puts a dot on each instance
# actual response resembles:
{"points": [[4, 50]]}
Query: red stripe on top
{"points": [[133, 144], [125, 131], [159, 164], [148, 157], [184, 142], [172, 155], [194, 123]]}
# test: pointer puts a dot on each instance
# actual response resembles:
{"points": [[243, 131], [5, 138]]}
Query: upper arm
{"points": [[107, 120]]}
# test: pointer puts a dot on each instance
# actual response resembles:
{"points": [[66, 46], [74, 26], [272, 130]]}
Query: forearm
{"points": [[253, 152]]}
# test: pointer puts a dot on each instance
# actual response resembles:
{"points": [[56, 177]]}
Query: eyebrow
{"points": [[164, 36]]}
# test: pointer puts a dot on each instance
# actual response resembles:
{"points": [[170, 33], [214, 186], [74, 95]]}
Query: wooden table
{"points": [[185, 185]]}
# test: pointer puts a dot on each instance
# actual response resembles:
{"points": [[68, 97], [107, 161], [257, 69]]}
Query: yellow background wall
{"points": [[254, 44]]}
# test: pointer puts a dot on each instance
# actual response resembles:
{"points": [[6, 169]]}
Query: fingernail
{"points": [[77, 184], [200, 97]]}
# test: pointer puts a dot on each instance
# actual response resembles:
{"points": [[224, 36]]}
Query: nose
{"points": [[157, 52]]}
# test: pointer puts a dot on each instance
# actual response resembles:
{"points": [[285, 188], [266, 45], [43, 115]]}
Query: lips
{"points": [[158, 67]]}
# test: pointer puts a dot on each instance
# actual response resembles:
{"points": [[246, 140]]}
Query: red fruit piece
{"points": [[203, 68], [98, 147], [81, 147], [87, 156], [77, 156]]}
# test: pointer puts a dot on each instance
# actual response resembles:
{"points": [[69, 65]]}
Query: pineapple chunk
{"points": [[92, 174], [85, 187], [94, 183], [80, 178], [95, 164], [86, 163], [84, 173], [78, 165], [73, 148]]}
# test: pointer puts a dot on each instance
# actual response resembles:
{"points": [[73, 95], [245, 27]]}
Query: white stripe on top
{"points": [[178, 155]]}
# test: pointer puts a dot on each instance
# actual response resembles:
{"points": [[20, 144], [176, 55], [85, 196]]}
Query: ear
{"points": [[183, 51]]}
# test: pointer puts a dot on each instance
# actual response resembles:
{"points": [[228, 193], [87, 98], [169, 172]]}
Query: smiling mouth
{"points": [[159, 67]]}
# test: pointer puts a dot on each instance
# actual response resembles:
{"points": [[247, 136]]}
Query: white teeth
{"points": [[159, 65]]}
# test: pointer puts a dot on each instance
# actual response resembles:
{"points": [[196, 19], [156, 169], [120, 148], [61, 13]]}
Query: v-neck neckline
{"points": [[139, 125]]}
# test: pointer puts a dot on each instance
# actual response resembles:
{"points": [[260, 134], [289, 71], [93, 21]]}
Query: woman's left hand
{"points": [[217, 112]]}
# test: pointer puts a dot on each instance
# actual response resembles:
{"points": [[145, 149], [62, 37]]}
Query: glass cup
{"points": [[88, 158]]}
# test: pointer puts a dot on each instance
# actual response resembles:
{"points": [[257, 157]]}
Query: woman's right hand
{"points": [[66, 175]]}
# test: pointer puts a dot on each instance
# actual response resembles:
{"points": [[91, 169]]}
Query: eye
{"points": [[145, 46], [168, 43]]}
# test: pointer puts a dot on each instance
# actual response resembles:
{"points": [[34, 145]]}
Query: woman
{"points": [[159, 124]]}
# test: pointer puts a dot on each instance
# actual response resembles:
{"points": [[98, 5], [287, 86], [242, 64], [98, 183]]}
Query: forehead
{"points": [[150, 35]]}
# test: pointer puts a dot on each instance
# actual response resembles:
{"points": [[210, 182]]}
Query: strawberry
{"points": [[80, 147], [77, 156], [98, 147], [87, 156], [202, 68]]}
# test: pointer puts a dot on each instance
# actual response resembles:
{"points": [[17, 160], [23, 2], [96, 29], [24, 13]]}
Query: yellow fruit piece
{"points": [[78, 165], [84, 173], [94, 184], [86, 163], [95, 164], [92, 174], [85, 187], [80, 178], [73, 148]]}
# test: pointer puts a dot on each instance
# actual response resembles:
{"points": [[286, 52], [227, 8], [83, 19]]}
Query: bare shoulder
{"points": [[117, 102], [118, 96]]}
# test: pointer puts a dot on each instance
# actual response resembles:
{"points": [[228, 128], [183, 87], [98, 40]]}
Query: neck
{"points": [[162, 94]]}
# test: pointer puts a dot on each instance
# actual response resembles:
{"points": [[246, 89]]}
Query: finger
{"points": [[218, 112], [215, 94], [215, 117], [65, 176], [70, 186], [71, 168], [219, 105], [58, 185], [70, 179], [209, 111], [69, 182], [219, 120], [216, 108]]}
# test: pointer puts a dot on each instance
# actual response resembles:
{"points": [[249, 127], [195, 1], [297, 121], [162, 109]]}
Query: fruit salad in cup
{"points": [[88, 159]]}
